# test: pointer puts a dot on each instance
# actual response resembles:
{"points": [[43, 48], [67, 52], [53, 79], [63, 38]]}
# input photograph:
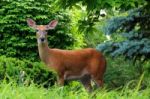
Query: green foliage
{"points": [[135, 29], [25, 72], [87, 24], [13, 91], [120, 72], [18, 40], [99, 4]]}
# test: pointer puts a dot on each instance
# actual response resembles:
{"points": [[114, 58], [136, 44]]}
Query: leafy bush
{"points": [[118, 74], [134, 28], [25, 72], [121, 72], [18, 40]]}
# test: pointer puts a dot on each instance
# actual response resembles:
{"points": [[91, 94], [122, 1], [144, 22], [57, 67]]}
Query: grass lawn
{"points": [[14, 91]]}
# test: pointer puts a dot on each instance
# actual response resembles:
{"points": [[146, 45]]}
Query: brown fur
{"points": [[83, 64]]}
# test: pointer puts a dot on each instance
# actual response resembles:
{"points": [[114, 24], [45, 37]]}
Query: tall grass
{"points": [[13, 91], [121, 82]]}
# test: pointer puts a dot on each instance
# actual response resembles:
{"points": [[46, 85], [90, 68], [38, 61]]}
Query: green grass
{"points": [[13, 91], [121, 82]]}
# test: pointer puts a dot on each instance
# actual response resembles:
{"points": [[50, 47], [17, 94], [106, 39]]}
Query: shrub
{"points": [[18, 40], [25, 72], [120, 72]]}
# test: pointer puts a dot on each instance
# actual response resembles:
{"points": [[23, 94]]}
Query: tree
{"points": [[135, 30], [129, 30], [93, 9], [134, 27]]}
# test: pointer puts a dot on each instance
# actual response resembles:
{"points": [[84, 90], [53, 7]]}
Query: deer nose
{"points": [[42, 39]]}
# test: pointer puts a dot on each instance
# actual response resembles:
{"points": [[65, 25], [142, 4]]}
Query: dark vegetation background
{"points": [[80, 25]]}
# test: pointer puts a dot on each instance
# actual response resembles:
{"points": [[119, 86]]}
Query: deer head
{"points": [[42, 29]]}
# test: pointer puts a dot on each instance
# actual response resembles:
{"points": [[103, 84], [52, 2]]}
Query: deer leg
{"points": [[98, 81], [61, 79], [97, 77], [66, 75], [86, 81]]}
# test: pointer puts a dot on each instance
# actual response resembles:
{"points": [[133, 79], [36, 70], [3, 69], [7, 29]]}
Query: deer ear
{"points": [[52, 24], [31, 23]]}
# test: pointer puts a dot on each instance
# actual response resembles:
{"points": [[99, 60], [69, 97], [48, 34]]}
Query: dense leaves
{"points": [[25, 72], [93, 9], [133, 26], [136, 29], [100, 4], [18, 40]]}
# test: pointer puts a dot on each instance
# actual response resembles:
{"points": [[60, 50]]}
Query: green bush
{"points": [[132, 28], [120, 72], [19, 40], [25, 72]]}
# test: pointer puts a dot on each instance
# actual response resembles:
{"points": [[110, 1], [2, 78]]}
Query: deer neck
{"points": [[43, 52]]}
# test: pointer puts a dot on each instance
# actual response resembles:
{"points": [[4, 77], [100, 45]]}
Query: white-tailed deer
{"points": [[85, 64]]}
